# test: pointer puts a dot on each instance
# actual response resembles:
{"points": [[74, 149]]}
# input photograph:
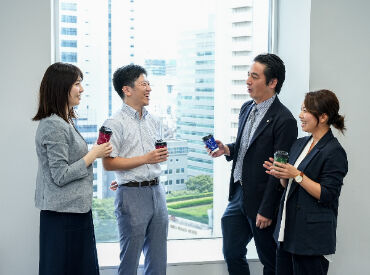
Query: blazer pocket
{"points": [[319, 231]]}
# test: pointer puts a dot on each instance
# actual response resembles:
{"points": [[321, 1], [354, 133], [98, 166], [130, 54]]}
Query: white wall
{"points": [[24, 54], [293, 46], [338, 59]]}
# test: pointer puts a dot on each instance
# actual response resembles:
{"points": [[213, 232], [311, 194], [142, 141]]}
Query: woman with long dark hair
{"points": [[64, 184], [313, 178]]}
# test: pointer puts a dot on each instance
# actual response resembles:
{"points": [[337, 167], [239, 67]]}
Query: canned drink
{"points": [[160, 144], [104, 135], [210, 142], [281, 156]]}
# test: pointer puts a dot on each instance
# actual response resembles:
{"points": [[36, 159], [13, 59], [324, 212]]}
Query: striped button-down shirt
{"points": [[260, 112], [134, 136]]}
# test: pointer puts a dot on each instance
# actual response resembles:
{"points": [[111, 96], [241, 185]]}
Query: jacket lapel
{"points": [[315, 150], [294, 155], [243, 122], [266, 120]]}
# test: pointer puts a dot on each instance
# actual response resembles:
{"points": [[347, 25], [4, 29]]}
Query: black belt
{"points": [[140, 184]]}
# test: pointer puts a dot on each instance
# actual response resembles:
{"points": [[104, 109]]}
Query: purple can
{"points": [[210, 142]]}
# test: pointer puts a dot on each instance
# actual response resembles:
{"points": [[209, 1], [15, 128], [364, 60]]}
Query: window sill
{"points": [[191, 251]]}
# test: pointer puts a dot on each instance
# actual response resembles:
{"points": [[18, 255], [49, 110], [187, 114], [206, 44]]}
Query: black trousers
{"points": [[237, 231], [67, 244], [293, 264]]}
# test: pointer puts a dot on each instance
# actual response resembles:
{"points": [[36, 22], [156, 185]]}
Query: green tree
{"points": [[104, 220], [202, 183]]}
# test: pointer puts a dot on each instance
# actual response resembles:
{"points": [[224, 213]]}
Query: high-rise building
{"points": [[242, 33], [82, 26], [162, 78], [121, 41], [174, 170], [155, 66], [99, 37], [161, 74], [198, 94], [195, 98]]}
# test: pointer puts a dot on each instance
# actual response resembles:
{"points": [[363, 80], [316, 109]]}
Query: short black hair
{"points": [[126, 76], [275, 68]]}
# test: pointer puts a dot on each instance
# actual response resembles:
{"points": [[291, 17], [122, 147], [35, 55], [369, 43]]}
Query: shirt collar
{"points": [[265, 104], [127, 109]]}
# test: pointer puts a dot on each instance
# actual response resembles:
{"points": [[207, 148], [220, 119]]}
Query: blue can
{"points": [[210, 142]]}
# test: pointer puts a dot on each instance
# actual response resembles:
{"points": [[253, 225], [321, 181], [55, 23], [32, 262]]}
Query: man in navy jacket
{"points": [[265, 126]]}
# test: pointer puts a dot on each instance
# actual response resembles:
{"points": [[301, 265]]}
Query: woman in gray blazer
{"points": [[313, 178], [64, 184]]}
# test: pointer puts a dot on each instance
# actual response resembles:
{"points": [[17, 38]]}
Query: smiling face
{"points": [[74, 96], [256, 82], [138, 95], [309, 122]]}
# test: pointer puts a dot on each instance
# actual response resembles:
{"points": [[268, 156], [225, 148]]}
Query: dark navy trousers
{"points": [[293, 264], [238, 229]]}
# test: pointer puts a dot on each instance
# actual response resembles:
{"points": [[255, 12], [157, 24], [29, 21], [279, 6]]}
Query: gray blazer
{"points": [[64, 183]]}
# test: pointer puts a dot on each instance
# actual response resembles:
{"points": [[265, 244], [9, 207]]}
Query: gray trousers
{"points": [[142, 219]]}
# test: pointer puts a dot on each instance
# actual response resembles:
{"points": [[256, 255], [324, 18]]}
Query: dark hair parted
{"points": [[126, 76], [54, 91], [275, 68], [325, 102]]}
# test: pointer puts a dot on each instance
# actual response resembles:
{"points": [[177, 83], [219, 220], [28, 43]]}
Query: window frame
{"points": [[272, 43]]}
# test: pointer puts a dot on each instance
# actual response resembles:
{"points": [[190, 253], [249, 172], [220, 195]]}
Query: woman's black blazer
{"points": [[311, 224]]}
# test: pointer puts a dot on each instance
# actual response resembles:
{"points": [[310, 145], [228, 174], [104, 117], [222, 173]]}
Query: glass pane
{"points": [[197, 54]]}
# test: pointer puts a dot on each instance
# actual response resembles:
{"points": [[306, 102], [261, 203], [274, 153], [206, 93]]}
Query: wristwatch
{"points": [[299, 177]]}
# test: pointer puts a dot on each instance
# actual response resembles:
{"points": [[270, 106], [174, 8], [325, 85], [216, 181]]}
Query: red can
{"points": [[104, 135], [160, 144]]}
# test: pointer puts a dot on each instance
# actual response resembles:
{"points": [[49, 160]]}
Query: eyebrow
{"points": [[144, 81]]}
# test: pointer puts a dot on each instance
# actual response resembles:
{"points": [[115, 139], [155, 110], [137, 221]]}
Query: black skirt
{"points": [[67, 244]]}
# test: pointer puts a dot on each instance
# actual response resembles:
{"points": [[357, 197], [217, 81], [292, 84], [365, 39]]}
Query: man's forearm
{"points": [[119, 163]]}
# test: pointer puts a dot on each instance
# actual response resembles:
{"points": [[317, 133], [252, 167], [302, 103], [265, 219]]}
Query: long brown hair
{"points": [[54, 91], [325, 102]]}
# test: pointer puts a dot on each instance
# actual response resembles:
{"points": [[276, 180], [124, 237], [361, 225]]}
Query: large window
{"points": [[197, 54]]}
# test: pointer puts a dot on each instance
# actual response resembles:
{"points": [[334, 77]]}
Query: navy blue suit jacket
{"points": [[276, 131], [310, 227]]}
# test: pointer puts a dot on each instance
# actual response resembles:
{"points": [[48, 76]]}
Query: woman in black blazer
{"points": [[307, 220]]}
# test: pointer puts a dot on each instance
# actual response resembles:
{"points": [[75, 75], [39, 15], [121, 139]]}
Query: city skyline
{"points": [[99, 37]]}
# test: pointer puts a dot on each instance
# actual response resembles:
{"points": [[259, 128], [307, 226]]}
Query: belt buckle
{"points": [[153, 182], [241, 183]]}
